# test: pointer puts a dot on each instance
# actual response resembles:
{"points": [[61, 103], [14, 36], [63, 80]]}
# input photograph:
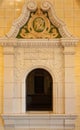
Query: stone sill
{"points": [[40, 120]]}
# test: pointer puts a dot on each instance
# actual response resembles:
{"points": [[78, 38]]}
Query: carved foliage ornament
{"points": [[38, 26]]}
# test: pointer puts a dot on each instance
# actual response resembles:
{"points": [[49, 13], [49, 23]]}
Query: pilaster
{"points": [[8, 79], [69, 53], [59, 89]]}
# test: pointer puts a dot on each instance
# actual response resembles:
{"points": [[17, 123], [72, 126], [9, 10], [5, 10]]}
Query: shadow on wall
{"points": [[78, 2], [1, 2]]}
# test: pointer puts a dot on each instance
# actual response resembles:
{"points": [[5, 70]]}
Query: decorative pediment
{"points": [[39, 26], [38, 21]]}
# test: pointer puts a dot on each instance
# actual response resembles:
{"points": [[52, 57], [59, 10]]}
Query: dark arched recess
{"points": [[39, 87]]}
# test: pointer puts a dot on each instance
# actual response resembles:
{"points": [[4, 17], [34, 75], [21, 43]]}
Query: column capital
{"points": [[8, 50], [69, 50]]}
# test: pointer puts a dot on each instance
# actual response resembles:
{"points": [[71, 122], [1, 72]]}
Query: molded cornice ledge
{"points": [[69, 42], [31, 42], [65, 42]]}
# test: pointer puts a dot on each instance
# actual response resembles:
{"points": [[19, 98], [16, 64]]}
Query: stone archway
{"points": [[39, 92]]}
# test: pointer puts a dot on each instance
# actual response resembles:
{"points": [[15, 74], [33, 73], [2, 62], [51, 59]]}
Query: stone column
{"points": [[8, 79], [69, 54]]}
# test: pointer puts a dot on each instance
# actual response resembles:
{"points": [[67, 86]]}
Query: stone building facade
{"points": [[38, 39]]}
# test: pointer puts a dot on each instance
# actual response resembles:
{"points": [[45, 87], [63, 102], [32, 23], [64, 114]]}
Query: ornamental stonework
{"points": [[38, 26]]}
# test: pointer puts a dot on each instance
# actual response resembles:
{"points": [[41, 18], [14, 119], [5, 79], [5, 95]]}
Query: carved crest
{"points": [[38, 26]]}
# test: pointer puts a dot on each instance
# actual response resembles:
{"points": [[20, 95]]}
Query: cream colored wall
{"points": [[68, 11], [1, 86]]}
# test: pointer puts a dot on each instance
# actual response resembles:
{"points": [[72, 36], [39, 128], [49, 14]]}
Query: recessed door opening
{"points": [[39, 84], [39, 91]]}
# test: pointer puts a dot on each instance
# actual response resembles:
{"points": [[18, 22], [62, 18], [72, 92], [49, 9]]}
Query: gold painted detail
{"points": [[39, 26]]}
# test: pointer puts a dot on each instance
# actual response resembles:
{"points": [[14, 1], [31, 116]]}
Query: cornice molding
{"points": [[65, 42]]}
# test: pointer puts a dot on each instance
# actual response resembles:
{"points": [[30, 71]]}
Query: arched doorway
{"points": [[39, 90]]}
